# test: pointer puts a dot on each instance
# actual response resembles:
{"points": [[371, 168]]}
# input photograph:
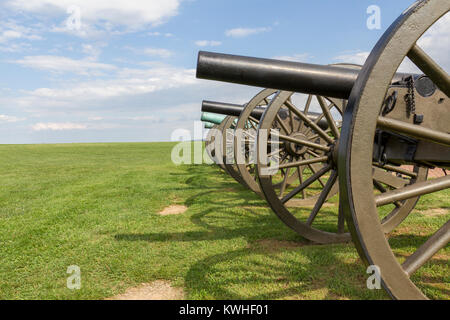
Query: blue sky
{"points": [[127, 71]]}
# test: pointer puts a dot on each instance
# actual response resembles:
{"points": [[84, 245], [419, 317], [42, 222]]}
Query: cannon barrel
{"points": [[209, 125], [215, 112], [229, 109], [328, 81], [212, 117]]}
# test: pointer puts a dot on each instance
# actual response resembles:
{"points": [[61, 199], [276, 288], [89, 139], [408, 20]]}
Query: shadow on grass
{"points": [[255, 272]]}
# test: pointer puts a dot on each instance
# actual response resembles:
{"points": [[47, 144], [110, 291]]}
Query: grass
{"points": [[96, 205]]}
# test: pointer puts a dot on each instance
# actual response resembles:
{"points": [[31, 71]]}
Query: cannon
{"points": [[236, 160], [394, 127], [300, 164]]}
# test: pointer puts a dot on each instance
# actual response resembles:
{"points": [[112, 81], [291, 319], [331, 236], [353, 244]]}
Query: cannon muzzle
{"points": [[212, 117], [327, 81], [209, 125]]}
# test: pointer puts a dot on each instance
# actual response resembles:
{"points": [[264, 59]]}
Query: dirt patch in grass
{"points": [[275, 245], [157, 290], [174, 209], [436, 212]]}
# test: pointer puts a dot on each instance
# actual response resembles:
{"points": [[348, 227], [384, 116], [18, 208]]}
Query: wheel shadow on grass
{"points": [[279, 270], [202, 177]]}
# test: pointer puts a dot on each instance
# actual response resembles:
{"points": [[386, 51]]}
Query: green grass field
{"points": [[96, 206]]}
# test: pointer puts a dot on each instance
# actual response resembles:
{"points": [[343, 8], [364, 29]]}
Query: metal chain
{"points": [[410, 98]]}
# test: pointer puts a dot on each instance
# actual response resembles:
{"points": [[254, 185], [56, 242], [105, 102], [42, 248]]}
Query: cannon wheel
{"points": [[361, 119], [245, 140], [212, 145], [317, 162], [247, 126], [229, 124], [209, 145]]}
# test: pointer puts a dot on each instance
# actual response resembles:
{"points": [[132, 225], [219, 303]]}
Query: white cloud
{"points": [[5, 118], [356, 58], [154, 52], [95, 118], [131, 14], [58, 64], [10, 30], [15, 47], [162, 53], [151, 119], [158, 34], [208, 43], [300, 57], [244, 32], [128, 82], [91, 50], [55, 126], [435, 42]]}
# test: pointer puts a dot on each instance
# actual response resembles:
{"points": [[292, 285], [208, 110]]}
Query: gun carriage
{"points": [[385, 129]]}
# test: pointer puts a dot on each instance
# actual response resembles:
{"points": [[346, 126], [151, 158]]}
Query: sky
{"points": [[124, 70]]}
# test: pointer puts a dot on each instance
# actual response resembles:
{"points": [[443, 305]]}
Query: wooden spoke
{"points": [[428, 66], [314, 171], [291, 118], [329, 117], [323, 197], [283, 125], [435, 243], [305, 110], [284, 183], [300, 180], [305, 184], [303, 142], [312, 153], [253, 119], [310, 123], [303, 162]]}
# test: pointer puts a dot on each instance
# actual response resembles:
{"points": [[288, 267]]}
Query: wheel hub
{"points": [[295, 149]]}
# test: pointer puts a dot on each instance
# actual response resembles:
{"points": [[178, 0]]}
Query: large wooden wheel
{"points": [[365, 117], [229, 125], [209, 143], [213, 147], [312, 151], [245, 141]]}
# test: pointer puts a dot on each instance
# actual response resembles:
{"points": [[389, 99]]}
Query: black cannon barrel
{"points": [[328, 81], [229, 109]]}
